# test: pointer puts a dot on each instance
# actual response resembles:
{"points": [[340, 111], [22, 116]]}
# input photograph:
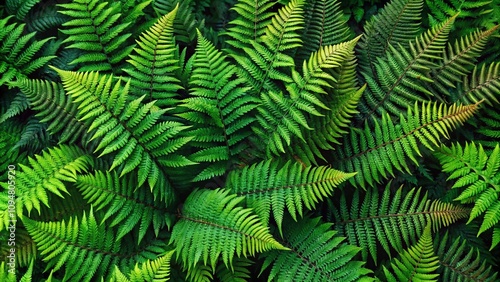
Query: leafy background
{"points": [[251, 140]]}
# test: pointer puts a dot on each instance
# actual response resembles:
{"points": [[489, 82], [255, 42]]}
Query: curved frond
{"points": [[391, 220], [281, 116], [269, 187], [47, 173], [130, 129], [395, 24], [220, 109], [266, 63], [399, 75], [458, 60], [460, 262], [253, 18], [153, 63], [151, 270], [478, 172], [125, 204], [316, 254], [389, 145], [325, 24], [17, 51], [54, 107], [212, 225], [418, 263], [482, 84], [97, 28]]}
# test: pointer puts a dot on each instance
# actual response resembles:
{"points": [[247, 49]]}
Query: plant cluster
{"points": [[236, 140]]}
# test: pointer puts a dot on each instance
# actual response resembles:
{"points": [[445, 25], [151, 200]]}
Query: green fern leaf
{"points": [[219, 105], [129, 128], [316, 254], [122, 200], [269, 187], [460, 262], [391, 221], [418, 263], [478, 172], [395, 24], [46, 173], [212, 225], [254, 16], [267, 59], [185, 23], [325, 25], [482, 84], [154, 63], [398, 79], [54, 108], [281, 116], [20, 7], [85, 248], [151, 270], [239, 273], [96, 29], [389, 145], [458, 59], [17, 51]]}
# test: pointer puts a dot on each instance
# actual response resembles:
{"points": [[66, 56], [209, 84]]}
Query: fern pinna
{"points": [[244, 140]]}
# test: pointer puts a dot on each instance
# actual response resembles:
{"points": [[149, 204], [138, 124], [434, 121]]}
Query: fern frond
{"points": [[84, 247], [458, 59], [316, 254], [220, 109], [34, 137], [391, 220], [185, 23], [342, 99], [281, 117], [46, 19], [389, 145], [477, 172], [398, 80], [489, 127], [20, 7], [127, 205], [239, 273], [18, 105], [460, 262], [212, 225], [46, 173], [269, 187], [96, 29], [483, 83], [151, 270], [267, 59], [130, 129], [325, 24], [418, 263], [254, 16], [153, 63], [54, 108], [395, 24], [17, 51]]}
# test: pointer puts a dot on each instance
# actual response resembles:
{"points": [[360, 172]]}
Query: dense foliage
{"points": [[244, 140]]}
